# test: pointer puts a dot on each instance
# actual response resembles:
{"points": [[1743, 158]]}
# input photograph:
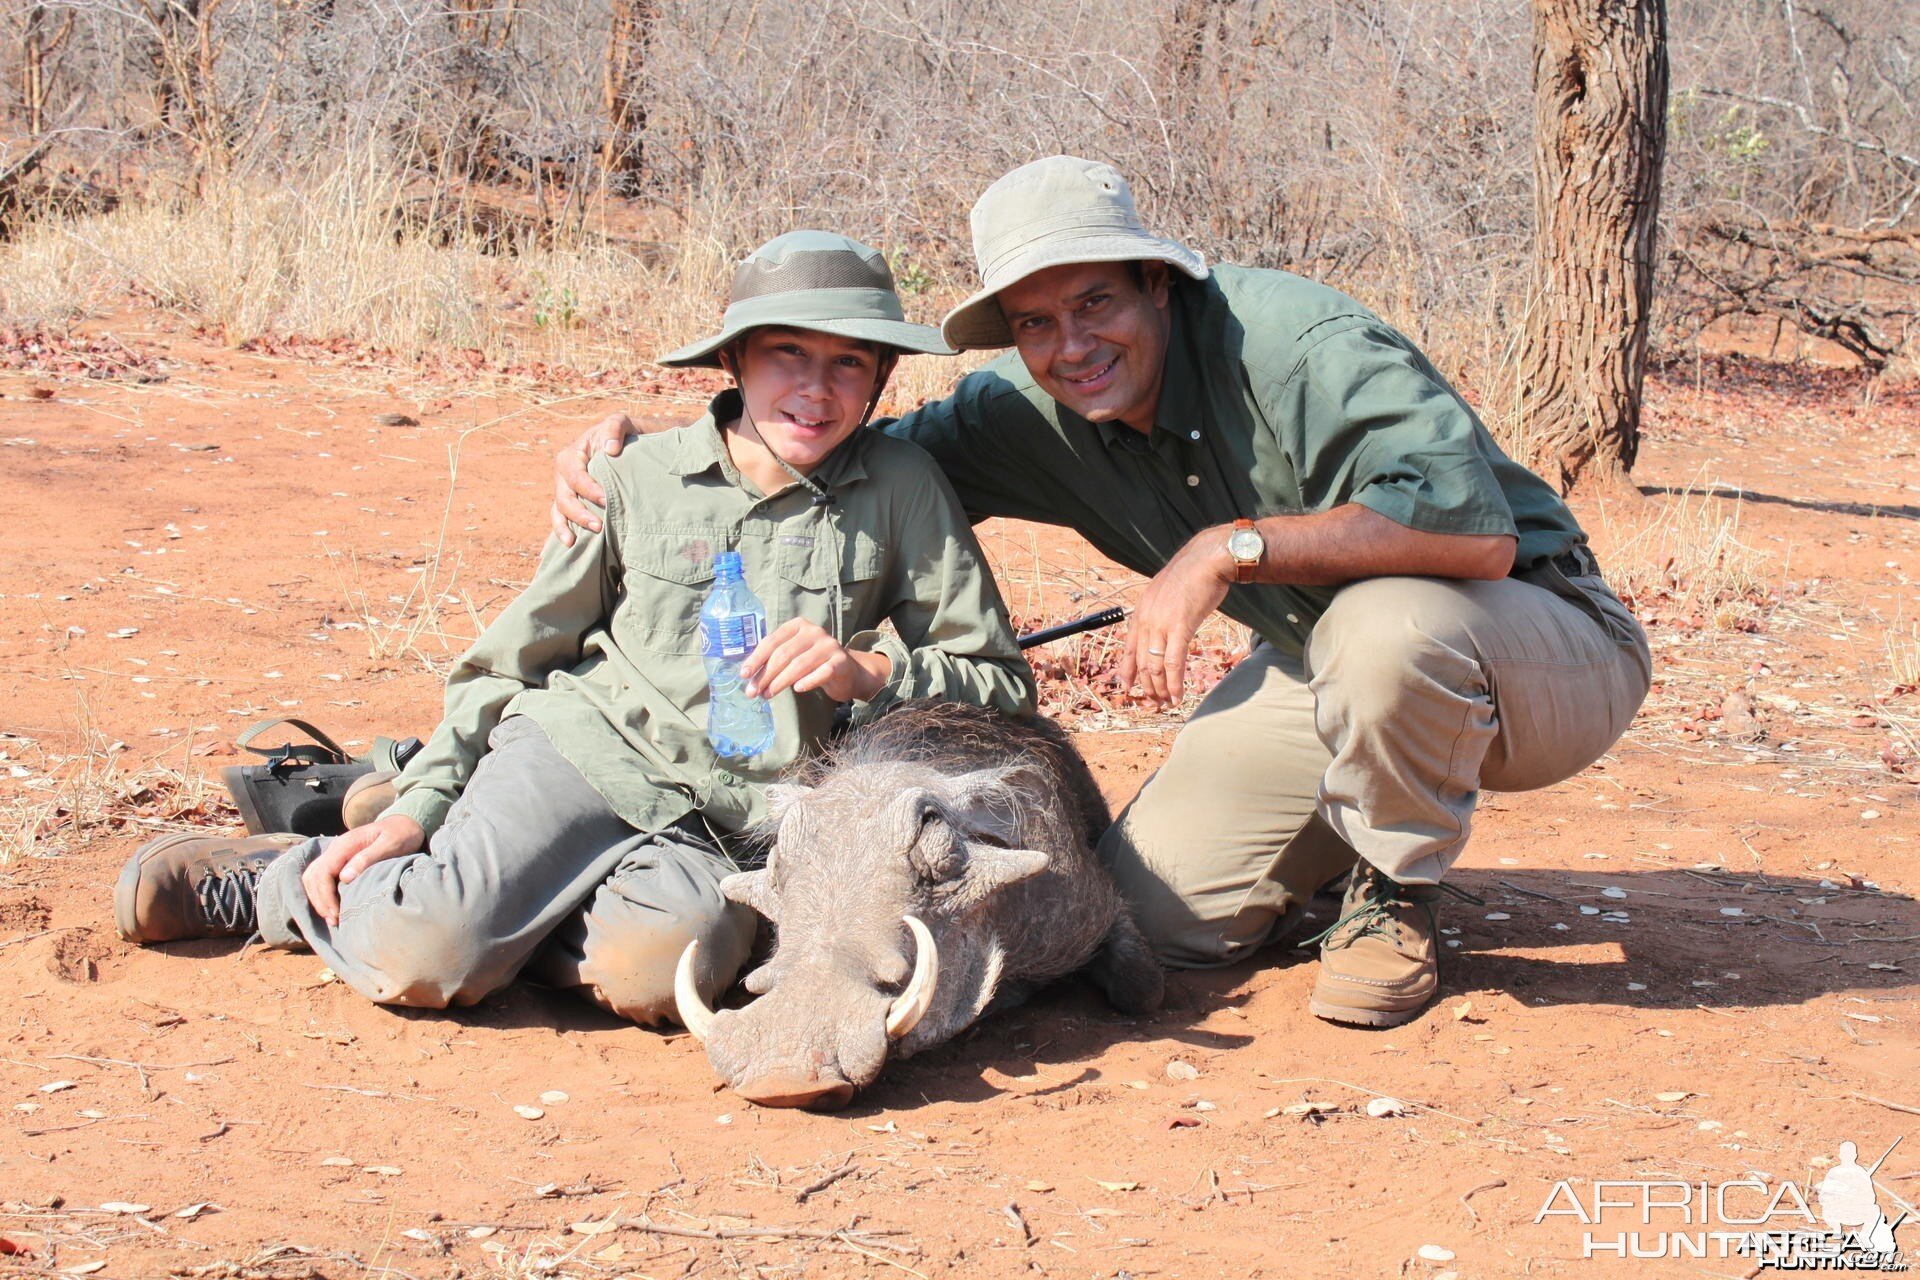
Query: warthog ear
{"points": [[986, 803], [751, 889], [990, 869]]}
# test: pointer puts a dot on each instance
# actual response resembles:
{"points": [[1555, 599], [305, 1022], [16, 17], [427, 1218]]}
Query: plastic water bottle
{"points": [[732, 622]]}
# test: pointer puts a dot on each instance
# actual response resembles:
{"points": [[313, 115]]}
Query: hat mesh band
{"points": [[807, 310], [807, 271]]}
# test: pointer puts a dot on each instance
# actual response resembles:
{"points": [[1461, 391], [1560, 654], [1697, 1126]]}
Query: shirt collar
{"points": [[700, 448]]}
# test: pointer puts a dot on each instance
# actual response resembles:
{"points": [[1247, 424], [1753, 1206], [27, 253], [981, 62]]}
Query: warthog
{"points": [[939, 860]]}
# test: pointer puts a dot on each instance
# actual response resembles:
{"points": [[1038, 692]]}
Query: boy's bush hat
{"points": [[1053, 211], [817, 281]]}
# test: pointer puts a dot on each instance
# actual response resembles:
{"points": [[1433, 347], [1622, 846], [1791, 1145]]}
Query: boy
{"points": [[579, 821]]}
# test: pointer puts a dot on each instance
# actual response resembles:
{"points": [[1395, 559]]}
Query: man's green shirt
{"points": [[1280, 396], [603, 648]]}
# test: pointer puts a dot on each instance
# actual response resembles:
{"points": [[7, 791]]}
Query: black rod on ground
{"points": [[1092, 622]]}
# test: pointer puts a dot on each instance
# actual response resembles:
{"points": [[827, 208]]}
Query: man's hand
{"points": [[801, 656], [573, 488], [1170, 611], [393, 836]]}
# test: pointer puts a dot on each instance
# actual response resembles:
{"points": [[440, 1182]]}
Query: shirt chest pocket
{"points": [[667, 578], [836, 581]]}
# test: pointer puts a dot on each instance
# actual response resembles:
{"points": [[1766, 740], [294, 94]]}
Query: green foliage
{"points": [[556, 309], [909, 277]]}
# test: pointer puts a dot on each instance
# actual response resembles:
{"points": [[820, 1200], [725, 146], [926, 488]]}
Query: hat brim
{"points": [[901, 335], [978, 325]]}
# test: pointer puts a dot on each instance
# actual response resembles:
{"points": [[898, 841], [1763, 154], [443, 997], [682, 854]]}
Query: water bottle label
{"points": [[731, 637]]}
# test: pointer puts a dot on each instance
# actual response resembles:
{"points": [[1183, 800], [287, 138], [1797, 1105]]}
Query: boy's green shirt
{"points": [[603, 648]]}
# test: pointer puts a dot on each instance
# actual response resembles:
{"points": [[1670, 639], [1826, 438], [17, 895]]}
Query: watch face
{"points": [[1245, 544]]}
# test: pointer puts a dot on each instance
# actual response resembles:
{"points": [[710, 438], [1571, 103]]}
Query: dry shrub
{"points": [[1686, 565]]}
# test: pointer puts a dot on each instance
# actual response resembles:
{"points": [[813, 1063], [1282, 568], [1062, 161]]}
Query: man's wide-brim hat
{"points": [[817, 281], [1050, 213]]}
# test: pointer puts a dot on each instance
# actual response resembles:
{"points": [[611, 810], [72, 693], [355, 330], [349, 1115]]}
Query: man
{"points": [[1429, 619]]}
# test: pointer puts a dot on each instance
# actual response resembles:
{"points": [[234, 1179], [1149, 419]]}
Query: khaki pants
{"points": [[1414, 693], [530, 872]]}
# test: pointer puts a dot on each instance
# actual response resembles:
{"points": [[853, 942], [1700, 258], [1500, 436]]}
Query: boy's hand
{"points": [[393, 836], [573, 488], [801, 656]]}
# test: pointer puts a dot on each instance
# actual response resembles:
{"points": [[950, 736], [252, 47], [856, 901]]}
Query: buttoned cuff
{"points": [[900, 681]]}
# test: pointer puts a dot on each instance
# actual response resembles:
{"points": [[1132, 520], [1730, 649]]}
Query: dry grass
{"points": [[1903, 653], [422, 614], [66, 801], [1687, 562]]}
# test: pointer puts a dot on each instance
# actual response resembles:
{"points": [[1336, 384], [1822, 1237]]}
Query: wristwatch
{"points": [[1246, 546]]}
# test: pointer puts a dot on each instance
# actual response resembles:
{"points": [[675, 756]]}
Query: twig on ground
{"points": [[67, 928], [1891, 1106], [1471, 1193], [1360, 1088], [822, 1183], [143, 1069]]}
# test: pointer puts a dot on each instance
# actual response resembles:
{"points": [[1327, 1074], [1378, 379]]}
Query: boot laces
{"points": [[1375, 912], [227, 898]]}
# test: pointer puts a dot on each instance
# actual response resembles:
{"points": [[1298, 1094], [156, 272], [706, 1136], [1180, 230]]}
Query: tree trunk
{"points": [[624, 93], [1600, 114]]}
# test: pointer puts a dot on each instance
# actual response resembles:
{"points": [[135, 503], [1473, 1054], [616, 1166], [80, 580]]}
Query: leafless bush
{"points": [[1381, 145]]}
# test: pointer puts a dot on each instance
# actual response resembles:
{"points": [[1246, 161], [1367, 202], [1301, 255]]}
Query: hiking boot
{"points": [[368, 797], [1379, 962], [188, 886]]}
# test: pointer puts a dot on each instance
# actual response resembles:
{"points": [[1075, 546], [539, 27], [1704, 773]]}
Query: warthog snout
{"points": [[819, 1082]]}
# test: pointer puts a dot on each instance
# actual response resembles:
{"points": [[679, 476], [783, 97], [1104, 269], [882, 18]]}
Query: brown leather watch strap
{"points": [[1242, 570]]}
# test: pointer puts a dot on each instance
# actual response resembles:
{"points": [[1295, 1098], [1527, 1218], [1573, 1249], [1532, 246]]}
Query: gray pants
{"points": [[533, 873], [1414, 693]]}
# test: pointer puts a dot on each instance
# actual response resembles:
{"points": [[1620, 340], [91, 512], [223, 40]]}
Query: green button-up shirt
{"points": [[1280, 396], [603, 647]]}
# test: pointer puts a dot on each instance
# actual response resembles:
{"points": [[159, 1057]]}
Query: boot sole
{"points": [[1365, 1017]]}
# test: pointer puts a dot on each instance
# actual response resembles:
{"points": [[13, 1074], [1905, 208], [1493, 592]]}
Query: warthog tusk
{"points": [[694, 1013], [911, 1005]]}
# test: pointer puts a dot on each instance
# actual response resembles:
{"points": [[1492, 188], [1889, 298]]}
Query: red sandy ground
{"points": [[183, 557]]}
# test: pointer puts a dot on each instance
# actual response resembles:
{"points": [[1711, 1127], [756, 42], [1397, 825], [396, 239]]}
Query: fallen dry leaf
{"points": [[528, 1113], [122, 1206], [1379, 1108], [610, 1223], [1116, 1186], [1673, 1095]]}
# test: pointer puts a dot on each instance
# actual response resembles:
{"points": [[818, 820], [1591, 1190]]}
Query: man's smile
{"points": [[1091, 379]]}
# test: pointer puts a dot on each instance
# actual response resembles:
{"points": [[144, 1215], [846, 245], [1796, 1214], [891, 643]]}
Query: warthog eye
{"points": [[929, 816]]}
